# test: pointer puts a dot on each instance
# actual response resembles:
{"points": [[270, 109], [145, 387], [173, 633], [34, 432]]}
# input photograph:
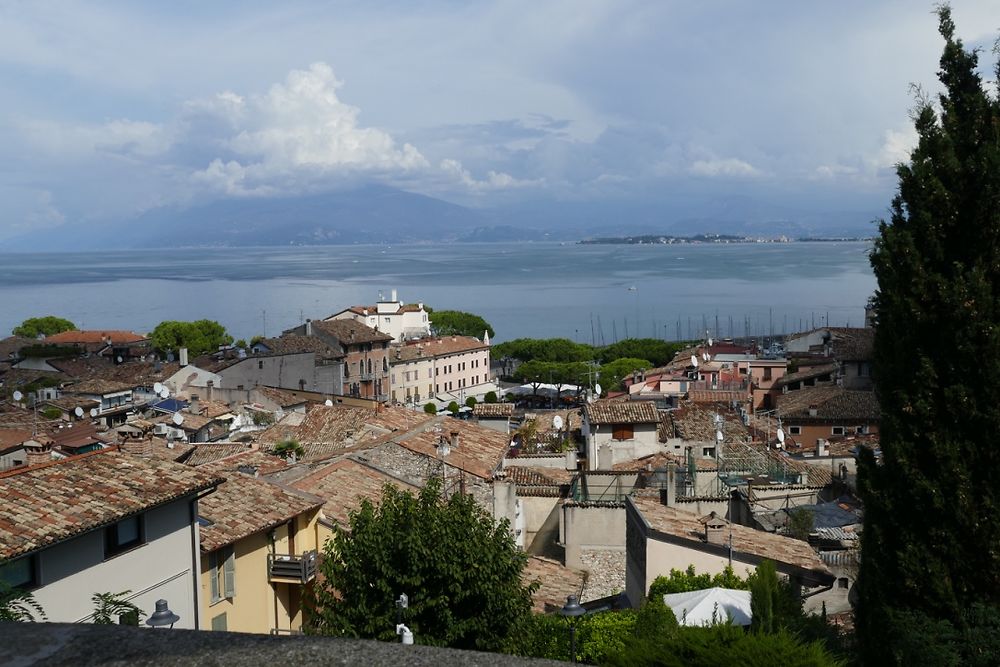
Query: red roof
{"points": [[89, 337]]}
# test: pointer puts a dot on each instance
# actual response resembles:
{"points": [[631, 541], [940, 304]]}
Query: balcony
{"points": [[292, 569]]}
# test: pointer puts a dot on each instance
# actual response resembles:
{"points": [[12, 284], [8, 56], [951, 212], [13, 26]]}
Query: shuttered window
{"points": [[623, 432], [222, 573], [219, 623]]}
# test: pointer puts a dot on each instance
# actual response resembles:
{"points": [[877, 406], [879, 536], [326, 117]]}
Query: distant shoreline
{"points": [[655, 239]]}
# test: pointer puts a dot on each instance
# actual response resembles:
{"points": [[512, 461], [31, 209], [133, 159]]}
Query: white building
{"points": [[104, 522], [400, 320], [618, 431], [445, 368]]}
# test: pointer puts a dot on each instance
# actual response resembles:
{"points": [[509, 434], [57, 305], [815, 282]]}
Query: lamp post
{"points": [[162, 617], [572, 610], [404, 633]]}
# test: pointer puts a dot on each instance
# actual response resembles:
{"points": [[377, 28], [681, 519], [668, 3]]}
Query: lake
{"points": [[585, 292]]}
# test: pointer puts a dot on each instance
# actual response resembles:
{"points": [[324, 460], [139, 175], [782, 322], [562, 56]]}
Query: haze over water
{"points": [[534, 290]]}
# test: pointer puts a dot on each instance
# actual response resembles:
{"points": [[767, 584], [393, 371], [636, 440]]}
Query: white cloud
{"points": [[728, 167], [896, 147], [494, 180], [126, 137]]}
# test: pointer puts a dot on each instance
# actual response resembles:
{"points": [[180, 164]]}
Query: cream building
{"points": [[400, 320], [444, 368]]}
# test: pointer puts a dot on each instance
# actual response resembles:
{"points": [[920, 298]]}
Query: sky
{"points": [[114, 108]]}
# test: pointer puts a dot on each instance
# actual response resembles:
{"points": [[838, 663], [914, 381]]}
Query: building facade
{"points": [[400, 320]]}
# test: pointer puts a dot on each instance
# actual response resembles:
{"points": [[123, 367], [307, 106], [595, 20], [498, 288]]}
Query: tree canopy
{"points": [[460, 570], [613, 373], [48, 325], [199, 337], [931, 541], [561, 350], [458, 323], [658, 352]]}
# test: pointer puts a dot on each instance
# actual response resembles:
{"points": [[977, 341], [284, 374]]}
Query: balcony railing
{"points": [[291, 568]]}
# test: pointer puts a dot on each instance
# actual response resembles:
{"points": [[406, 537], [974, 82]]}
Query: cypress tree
{"points": [[931, 543]]}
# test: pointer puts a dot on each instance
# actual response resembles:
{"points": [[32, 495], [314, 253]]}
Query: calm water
{"points": [[536, 290]]}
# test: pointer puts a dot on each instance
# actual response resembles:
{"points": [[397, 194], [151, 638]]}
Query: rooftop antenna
{"points": [[164, 393], [597, 388], [157, 388], [78, 411], [93, 412], [18, 396], [177, 419], [328, 403]]}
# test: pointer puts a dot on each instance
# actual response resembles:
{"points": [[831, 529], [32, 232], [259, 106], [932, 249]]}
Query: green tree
{"points": [[800, 524], [458, 323], [490, 397], [46, 326], [453, 407], [199, 337], [288, 448], [658, 352], [108, 607], [931, 540], [19, 605], [470, 402], [460, 569], [614, 372], [430, 408], [543, 349], [678, 581]]}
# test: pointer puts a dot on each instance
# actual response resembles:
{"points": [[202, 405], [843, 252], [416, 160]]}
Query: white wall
{"points": [[71, 572], [645, 441]]}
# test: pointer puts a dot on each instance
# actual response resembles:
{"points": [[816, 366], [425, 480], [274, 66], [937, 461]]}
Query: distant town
{"points": [[655, 239]]}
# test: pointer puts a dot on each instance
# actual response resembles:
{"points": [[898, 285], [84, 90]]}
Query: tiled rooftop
{"points": [[435, 347], [717, 395], [350, 332], [98, 386], [208, 452], [344, 484], [155, 447], [55, 501], [245, 505], [622, 412], [90, 337], [831, 403], [530, 479], [745, 540], [296, 344], [493, 410], [557, 582], [282, 397], [806, 373], [13, 437], [695, 422], [479, 452], [261, 461]]}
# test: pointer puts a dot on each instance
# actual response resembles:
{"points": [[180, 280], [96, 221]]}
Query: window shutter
{"points": [[213, 569], [219, 623], [229, 573]]}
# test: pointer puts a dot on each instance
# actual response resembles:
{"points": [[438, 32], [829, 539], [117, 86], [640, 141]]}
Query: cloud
{"points": [[725, 167], [896, 147], [494, 180], [122, 137]]}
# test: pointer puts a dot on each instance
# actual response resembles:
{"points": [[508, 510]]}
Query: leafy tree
{"points": [[19, 605], [241, 343], [543, 349], [460, 569], [256, 339], [655, 620], [46, 326], [614, 372], [800, 524], [453, 407], [470, 402], [109, 606], [490, 397], [689, 580], [289, 448], [430, 408], [931, 541], [598, 636], [199, 337], [659, 352], [458, 323]]}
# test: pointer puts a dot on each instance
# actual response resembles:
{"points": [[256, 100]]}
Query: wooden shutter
{"points": [[229, 573], [213, 575]]}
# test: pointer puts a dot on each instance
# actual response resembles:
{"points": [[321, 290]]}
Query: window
{"points": [[124, 535], [837, 430], [260, 364], [767, 372], [794, 430], [385, 364], [708, 452], [20, 573], [861, 430], [622, 432], [843, 582], [222, 572], [369, 365], [219, 623]]}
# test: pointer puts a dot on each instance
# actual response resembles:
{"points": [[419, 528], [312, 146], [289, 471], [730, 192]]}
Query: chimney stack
{"points": [[209, 389], [820, 447], [812, 410], [454, 440], [715, 529], [670, 497], [393, 296], [37, 452], [309, 327], [194, 406], [183, 356]]}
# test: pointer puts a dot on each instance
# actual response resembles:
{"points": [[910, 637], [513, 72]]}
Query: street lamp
{"points": [[162, 617], [572, 610]]}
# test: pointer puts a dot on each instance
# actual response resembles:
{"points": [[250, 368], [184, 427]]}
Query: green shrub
{"points": [[430, 408], [52, 412], [470, 402], [453, 408], [490, 397]]}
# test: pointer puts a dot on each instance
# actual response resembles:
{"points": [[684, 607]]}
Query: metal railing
{"points": [[300, 568]]}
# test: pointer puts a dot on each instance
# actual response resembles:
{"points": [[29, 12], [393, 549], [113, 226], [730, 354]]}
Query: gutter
{"points": [[196, 554]]}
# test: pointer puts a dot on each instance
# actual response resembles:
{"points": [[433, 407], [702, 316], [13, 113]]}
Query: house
{"points": [[447, 368], [851, 348], [12, 447], [819, 413], [660, 538], [366, 355], [290, 361], [616, 431], [399, 320], [259, 552], [763, 376], [103, 522], [495, 416], [117, 346], [116, 399]]}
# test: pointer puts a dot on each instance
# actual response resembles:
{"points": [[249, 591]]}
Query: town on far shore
{"points": [[212, 480]]}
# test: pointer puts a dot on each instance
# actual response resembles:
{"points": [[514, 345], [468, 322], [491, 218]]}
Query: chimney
{"points": [[194, 406], [715, 529], [820, 447], [37, 453], [183, 356], [670, 497], [209, 389], [454, 437], [309, 327], [812, 410], [393, 296]]}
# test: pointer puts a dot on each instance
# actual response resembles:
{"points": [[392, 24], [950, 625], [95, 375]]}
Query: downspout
{"points": [[196, 555]]}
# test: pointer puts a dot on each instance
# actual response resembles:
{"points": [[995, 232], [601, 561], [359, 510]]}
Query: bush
{"points": [[598, 636], [689, 580], [470, 402], [453, 407], [490, 397], [52, 412], [430, 408]]}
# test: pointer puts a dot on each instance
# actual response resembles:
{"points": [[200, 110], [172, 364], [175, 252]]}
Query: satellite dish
{"points": [[694, 361], [710, 341], [177, 418], [328, 403], [781, 436], [119, 358], [157, 388], [557, 422], [93, 412], [718, 436], [78, 411], [18, 396], [706, 356], [164, 393], [597, 388]]}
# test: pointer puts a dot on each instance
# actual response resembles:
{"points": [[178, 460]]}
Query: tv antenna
{"points": [[157, 388], [93, 412], [328, 403], [18, 396], [177, 419], [78, 411], [597, 388], [694, 361]]}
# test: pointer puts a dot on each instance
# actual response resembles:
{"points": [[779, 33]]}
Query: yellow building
{"points": [[259, 552]]}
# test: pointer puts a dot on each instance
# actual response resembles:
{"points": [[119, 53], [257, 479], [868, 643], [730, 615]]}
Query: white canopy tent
{"points": [[697, 607], [546, 390]]}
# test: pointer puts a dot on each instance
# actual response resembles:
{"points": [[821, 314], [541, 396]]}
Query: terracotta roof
{"points": [[85, 337], [493, 410], [659, 461], [695, 422], [98, 386], [349, 332], [806, 373], [853, 344], [557, 582], [56, 501], [296, 344], [572, 420], [479, 452], [11, 345], [344, 484], [245, 505], [525, 476], [435, 347], [621, 412], [209, 452], [156, 447], [282, 397], [13, 437], [831, 403], [134, 373], [263, 462], [688, 527], [717, 395]]}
